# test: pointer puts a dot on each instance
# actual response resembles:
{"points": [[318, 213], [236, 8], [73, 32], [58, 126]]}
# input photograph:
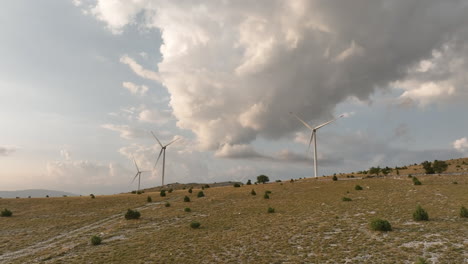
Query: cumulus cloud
{"points": [[135, 89], [234, 69], [154, 116], [7, 150], [126, 131], [461, 144]]}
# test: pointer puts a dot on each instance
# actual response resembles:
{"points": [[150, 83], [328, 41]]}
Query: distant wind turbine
{"points": [[313, 137], [162, 152], [138, 174]]}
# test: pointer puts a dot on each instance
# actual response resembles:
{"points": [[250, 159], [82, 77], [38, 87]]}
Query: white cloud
{"points": [[139, 70], [461, 144], [154, 116], [135, 89], [126, 131]]}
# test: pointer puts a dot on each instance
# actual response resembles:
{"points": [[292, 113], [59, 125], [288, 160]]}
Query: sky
{"points": [[83, 82]]}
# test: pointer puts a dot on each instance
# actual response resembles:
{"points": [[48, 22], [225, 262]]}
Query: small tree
{"points": [[420, 214], [96, 240], [92, 196], [334, 178], [186, 199], [374, 170], [149, 199], [6, 213], [190, 190], [132, 214], [249, 182], [236, 185], [200, 194], [439, 166], [162, 193], [427, 166], [253, 192], [262, 179]]}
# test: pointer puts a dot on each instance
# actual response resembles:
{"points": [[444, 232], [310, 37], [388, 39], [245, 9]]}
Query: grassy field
{"points": [[311, 224]]}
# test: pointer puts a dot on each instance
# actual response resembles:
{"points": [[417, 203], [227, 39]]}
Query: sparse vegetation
{"points": [[96, 240], [346, 199], [149, 199], [420, 214], [253, 192], [334, 178], [186, 199], [162, 193], [249, 182], [92, 196], [358, 187], [195, 224], [6, 213], [271, 210], [200, 194], [187, 209], [416, 181], [421, 261], [380, 225], [132, 214], [463, 212], [167, 204], [266, 196], [170, 190], [236, 185], [190, 190], [268, 191]]}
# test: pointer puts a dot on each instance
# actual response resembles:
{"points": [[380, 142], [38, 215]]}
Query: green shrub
{"points": [[271, 210], [149, 199], [200, 194], [380, 225], [421, 261], [463, 212], [358, 187], [236, 185], [171, 190], [454, 182], [133, 192], [6, 213], [188, 210], [420, 214], [334, 178], [249, 182], [186, 199], [253, 192], [346, 199], [47, 196], [96, 240], [132, 214], [167, 204], [140, 192], [416, 181], [92, 196], [195, 224], [162, 193], [266, 196], [278, 181], [207, 186], [190, 190], [268, 192]]}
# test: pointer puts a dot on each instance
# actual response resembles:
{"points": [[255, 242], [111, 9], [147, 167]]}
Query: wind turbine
{"points": [[138, 174], [313, 137], [162, 152]]}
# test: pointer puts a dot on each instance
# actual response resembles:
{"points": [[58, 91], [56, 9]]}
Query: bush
{"points": [[271, 210], [416, 181], [190, 190], [6, 213], [268, 192], [195, 224], [249, 182], [421, 261], [420, 214], [188, 210], [334, 178], [47, 196], [132, 214], [358, 187], [171, 190], [133, 192], [200, 194], [455, 182], [463, 212], [346, 199], [253, 192], [236, 185], [162, 193], [380, 225], [140, 192], [262, 179], [207, 186], [96, 240], [186, 199], [266, 196], [167, 204], [278, 180], [149, 199]]}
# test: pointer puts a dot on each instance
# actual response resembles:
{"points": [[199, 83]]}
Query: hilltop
{"points": [[311, 224], [36, 193]]}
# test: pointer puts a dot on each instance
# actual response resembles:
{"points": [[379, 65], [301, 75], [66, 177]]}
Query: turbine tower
{"points": [[162, 152], [138, 174], [313, 137]]}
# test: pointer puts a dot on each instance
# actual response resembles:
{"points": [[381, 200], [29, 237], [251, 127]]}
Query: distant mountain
{"points": [[34, 193]]}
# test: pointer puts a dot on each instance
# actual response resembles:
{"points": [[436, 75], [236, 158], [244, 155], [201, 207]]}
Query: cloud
{"points": [[239, 152], [461, 144], [154, 116], [7, 150], [235, 69], [139, 70], [126, 131], [135, 89]]}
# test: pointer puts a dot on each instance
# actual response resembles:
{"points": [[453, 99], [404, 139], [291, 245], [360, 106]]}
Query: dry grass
{"points": [[311, 224]]}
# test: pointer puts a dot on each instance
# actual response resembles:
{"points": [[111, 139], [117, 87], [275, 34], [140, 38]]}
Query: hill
{"points": [[311, 224], [34, 193]]}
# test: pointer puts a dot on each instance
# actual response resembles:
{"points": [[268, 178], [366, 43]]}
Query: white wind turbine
{"points": [[138, 174], [163, 152], [313, 137]]}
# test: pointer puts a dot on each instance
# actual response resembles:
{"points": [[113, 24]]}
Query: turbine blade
{"points": [[324, 124], [310, 142], [158, 158], [157, 139], [302, 121], [135, 164], [172, 142], [136, 175]]}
